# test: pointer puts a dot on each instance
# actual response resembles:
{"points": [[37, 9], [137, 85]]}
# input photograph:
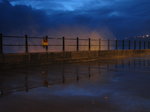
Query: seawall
{"points": [[14, 60]]}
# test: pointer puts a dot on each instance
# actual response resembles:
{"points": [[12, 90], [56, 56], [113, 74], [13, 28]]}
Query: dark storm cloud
{"points": [[21, 19], [122, 17]]}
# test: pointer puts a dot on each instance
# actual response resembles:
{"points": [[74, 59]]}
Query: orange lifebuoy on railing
{"points": [[45, 42]]}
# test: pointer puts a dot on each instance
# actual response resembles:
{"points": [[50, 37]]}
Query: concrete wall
{"points": [[13, 60]]}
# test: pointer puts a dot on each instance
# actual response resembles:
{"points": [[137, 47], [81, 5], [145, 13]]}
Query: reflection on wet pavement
{"points": [[102, 86]]}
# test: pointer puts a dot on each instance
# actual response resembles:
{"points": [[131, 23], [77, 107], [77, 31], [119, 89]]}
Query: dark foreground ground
{"points": [[121, 85]]}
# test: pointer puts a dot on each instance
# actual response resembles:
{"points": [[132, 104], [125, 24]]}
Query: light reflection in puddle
{"points": [[112, 86]]}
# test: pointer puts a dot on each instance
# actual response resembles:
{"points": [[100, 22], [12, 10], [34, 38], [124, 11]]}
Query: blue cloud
{"points": [[122, 17]]}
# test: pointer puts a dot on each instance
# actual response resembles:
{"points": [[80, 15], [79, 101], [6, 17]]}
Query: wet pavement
{"points": [[119, 85]]}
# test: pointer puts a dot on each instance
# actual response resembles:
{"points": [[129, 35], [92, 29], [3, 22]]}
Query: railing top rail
{"points": [[92, 39], [83, 39], [7, 36], [43, 37], [70, 38]]}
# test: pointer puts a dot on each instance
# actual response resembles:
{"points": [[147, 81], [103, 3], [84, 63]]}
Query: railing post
{"points": [[134, 44], [26, 44], [99, 44], [129, 43], [108, 44], [116, 44], [140, 44], [123, 44], [47, 42], [77, 43], [89, 44], [1, 43], [63, 44]]}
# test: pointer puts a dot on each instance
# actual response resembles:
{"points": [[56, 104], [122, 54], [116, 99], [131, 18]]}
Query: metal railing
{"points": [[26, 43]]}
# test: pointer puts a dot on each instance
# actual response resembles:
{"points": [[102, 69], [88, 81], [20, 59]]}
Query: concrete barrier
{"points": [[15, 60]]}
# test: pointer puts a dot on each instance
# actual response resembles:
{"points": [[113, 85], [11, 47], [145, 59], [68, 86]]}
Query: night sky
{"points": [[114, 18]]}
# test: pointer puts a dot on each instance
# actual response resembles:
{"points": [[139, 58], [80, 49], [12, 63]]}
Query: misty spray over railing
{"points": [[28, 44]]}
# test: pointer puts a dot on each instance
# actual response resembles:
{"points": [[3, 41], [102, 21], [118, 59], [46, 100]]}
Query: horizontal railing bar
{"points": [[53, 38], [35, 38], [84, 45], [42, 45], [94, 45], [12, 45], [75, 38], [70, 39], [13, 37], [41, 38], [83, 39], [94, 39], [34, 45], [61, 45], [70, 45], [54, 45]]}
